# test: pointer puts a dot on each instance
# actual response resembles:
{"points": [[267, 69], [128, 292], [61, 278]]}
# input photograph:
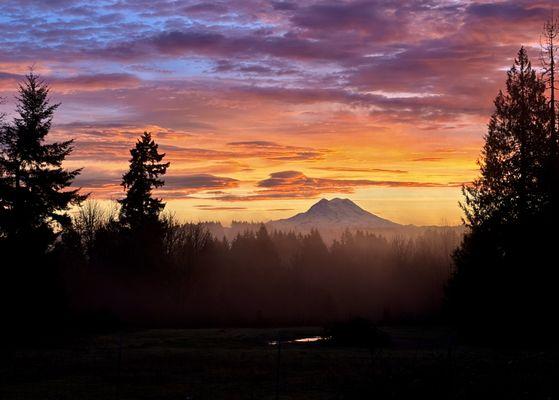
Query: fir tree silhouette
{"points": [[33, 183], [514, 154], [34, 202], [139, 208], [141, 231], [503, 274]]}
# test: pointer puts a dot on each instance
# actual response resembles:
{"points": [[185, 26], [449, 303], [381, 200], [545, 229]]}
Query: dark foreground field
{"points": [[241, 364]]}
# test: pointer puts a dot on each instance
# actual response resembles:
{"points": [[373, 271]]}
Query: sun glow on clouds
{"points": [[263, 107]]}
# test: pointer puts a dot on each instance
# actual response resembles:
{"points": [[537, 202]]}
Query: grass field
{"points": [[241, 364]]}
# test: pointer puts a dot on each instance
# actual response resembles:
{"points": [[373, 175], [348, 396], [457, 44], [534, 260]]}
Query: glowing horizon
{"points": [[264, 107]]}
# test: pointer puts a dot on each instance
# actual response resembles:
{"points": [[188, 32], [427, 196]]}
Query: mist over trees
{"points": [[259, 278]]}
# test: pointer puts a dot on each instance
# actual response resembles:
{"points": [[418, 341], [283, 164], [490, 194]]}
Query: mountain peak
{"points": [[338, 200], [335, 200], [337, 213]]}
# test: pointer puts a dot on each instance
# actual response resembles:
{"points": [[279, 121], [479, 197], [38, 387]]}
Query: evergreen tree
{"points": [[33, 199], [514, 156], [549, 51], [139, 208], [501, 273]]}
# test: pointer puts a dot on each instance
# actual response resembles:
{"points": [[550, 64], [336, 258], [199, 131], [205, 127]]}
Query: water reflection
{"points": [[309, 339]]}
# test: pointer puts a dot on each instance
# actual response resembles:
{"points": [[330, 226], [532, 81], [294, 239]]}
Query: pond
{"points": [[309, 339]]}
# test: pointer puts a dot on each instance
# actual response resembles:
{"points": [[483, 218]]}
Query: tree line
{"points": [[259, 278]]}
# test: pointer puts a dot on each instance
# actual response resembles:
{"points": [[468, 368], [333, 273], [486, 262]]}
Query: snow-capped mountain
{"points": [[334, 214]]}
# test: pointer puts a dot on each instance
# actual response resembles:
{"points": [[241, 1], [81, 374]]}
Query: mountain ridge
{"points": [[334, 214]]}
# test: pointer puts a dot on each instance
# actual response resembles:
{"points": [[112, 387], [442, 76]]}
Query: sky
{"points": [[263, 107]]}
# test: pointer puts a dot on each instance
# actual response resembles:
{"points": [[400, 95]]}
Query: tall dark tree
{"points": [[34, 201], [549, 52], [34, 194], [501, 269], [512, 163], [4, 185], [139, 208]]}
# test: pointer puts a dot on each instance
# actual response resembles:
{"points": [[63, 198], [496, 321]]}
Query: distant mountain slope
{"points": [[334, 214]]}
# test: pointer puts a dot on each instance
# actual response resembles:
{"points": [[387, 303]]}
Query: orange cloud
{"points": [[295, 184], [104, 185]]}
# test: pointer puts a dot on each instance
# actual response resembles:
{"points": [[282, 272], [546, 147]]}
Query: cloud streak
{"points": [[296, 185]]}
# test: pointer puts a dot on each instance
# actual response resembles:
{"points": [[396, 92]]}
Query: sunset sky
{"points": [[263, 107]]}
